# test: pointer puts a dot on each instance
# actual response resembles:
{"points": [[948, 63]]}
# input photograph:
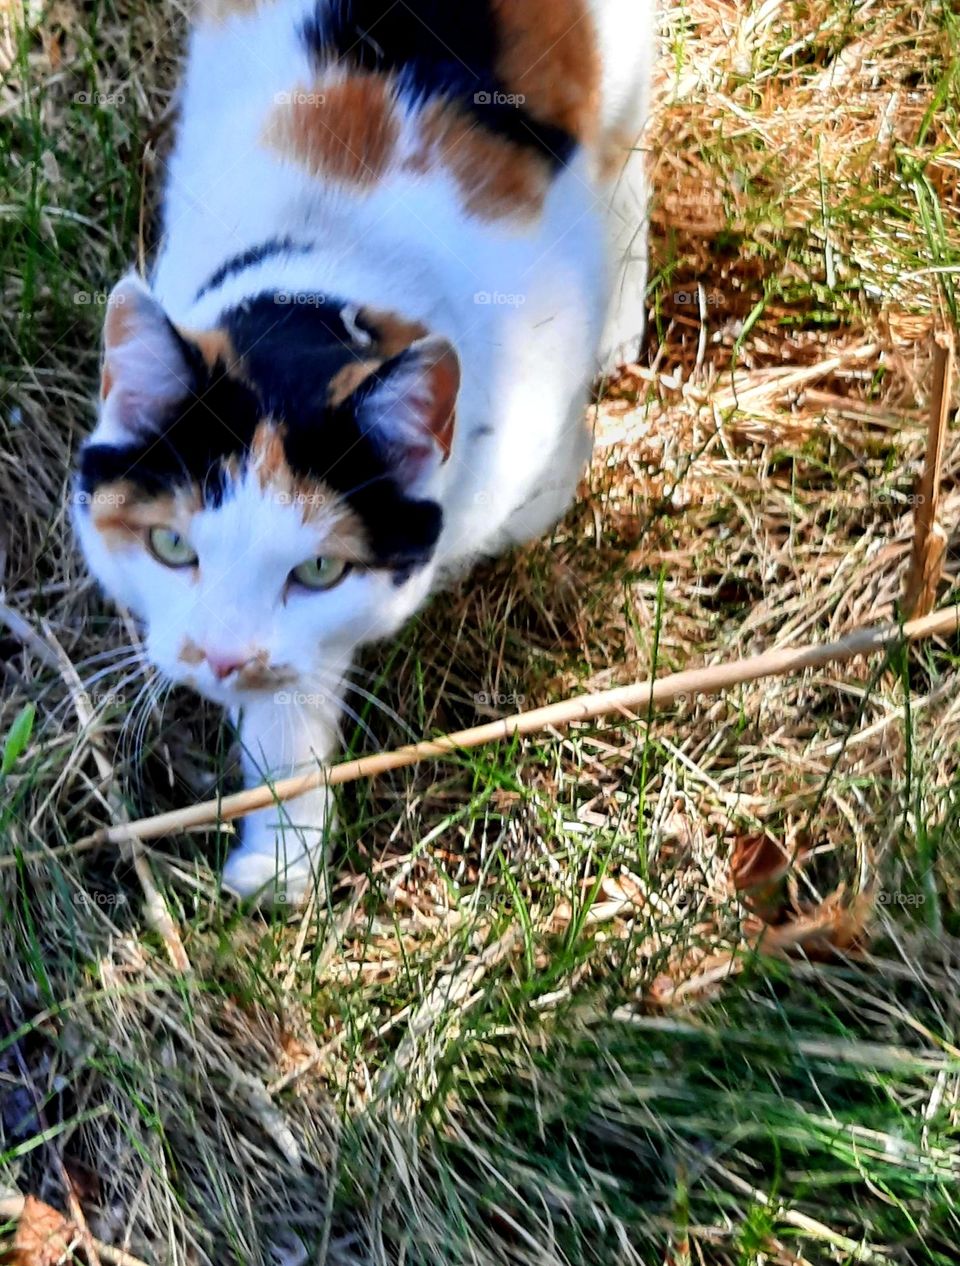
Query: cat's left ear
{"points": [[146, 369], [408, 407]]}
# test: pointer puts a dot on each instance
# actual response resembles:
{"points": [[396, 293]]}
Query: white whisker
{"points": [[366, 695]]}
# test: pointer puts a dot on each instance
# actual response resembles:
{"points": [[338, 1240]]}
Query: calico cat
{"points": [[399, 240]]}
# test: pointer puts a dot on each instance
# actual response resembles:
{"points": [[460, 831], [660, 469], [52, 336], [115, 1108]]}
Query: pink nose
{"points": [[223, 663]]}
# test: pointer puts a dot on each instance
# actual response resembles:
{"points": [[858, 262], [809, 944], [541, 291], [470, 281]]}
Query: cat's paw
{"points": [[275, 867]]}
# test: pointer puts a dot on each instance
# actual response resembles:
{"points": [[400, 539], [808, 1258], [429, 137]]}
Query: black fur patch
{"points": [[289, 352], [249, 259], [216, 420], [436, 48]]}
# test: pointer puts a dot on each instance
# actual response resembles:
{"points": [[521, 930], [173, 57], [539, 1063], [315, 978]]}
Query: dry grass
{"points": [[678, 990]]}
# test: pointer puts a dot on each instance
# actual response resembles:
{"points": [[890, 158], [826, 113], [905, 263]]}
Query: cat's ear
{"points": [[408, 407], [145, 365]]}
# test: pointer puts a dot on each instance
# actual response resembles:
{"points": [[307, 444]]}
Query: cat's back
{"points": [[534, 63], [451, 127], [493, 96]]}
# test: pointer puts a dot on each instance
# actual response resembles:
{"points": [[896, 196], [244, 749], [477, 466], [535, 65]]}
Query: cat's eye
{"points": [[171, 548], [320, 573]]}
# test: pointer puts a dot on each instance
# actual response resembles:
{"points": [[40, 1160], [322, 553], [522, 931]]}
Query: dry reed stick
{"points": [[930, 540], [624, 700]]}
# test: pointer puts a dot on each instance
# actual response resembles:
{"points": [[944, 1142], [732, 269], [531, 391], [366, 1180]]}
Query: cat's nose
{"points": [[223, 663]]}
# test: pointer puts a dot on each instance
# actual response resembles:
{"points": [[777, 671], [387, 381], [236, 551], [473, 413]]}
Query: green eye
{"points": [[171, 548], [320, 573]]}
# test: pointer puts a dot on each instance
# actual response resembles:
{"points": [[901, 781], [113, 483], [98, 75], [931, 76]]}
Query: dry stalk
{"points": [[855, 1250], [27, 636], [624, 701], [930, 540]]}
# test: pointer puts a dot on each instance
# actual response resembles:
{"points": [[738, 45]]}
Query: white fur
{"points": [[524, 305]]}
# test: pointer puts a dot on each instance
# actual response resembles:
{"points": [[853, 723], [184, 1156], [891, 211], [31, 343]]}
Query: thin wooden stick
{"points": [[624, 700], [930, 540]]}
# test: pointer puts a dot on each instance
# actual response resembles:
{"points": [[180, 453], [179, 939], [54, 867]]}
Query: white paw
{"points": [[275, 867]]}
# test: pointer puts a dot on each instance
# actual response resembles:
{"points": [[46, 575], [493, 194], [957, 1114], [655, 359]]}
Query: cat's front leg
{"points": [[280, 857]]}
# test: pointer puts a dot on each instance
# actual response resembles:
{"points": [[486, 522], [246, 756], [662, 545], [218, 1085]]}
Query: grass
{"points": [[677, 990]]}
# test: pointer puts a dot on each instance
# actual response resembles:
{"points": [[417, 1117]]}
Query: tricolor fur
{"points": [[399, 240]]}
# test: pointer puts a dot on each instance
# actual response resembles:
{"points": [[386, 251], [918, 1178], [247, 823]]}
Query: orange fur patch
{"points": [[549, 58], [345, 131], [259, 674], [267, 452], [215, 347], [123, 513], [119, 327], [393, 333], [344, 383], [190, 652], [496, 178], [343, 533], [120, 323]]}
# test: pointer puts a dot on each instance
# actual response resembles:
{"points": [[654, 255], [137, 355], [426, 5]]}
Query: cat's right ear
{"points": [[146, 369]]}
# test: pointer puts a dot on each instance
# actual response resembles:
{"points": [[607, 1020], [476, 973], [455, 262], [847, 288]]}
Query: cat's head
{"points": [[263, 495]]}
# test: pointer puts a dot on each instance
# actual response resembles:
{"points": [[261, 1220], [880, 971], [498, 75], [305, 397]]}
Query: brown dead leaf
{"points": [[43, 1236], [837, 923], [908, 327], [52, 42], [759, 861], [758, 865]]}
